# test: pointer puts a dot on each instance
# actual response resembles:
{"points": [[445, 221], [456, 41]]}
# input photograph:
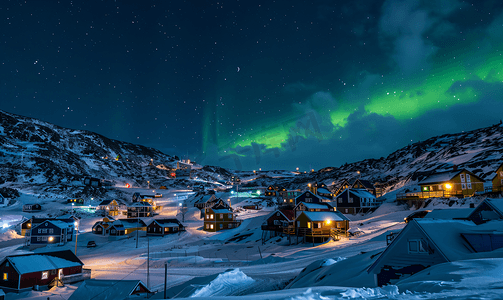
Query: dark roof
{"points": [[367, 184], [288, 213], [167, 220]]}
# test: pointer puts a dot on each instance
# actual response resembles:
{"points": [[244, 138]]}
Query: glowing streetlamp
{"points": [[448, 186], [328, 222]]}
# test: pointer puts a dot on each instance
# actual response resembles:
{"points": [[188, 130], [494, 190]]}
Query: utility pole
{"points": [[137, 228], [165, 277], [148, 262]]}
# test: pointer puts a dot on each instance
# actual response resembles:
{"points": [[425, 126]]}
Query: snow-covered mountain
{"points": [[480, 151], [36, 152]]}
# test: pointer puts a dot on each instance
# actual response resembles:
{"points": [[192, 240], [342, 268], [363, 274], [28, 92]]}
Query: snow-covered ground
{"points": [[235, 264]]}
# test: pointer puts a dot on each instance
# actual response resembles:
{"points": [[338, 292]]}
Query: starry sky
{"points": [[252, 84]]}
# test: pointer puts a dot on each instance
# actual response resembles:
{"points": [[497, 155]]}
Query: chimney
{"points": [[455, 167]]}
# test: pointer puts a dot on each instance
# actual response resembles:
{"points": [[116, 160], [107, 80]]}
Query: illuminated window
{"points": [[211, 226], [45, 275], [211, 216], [5, 276]]}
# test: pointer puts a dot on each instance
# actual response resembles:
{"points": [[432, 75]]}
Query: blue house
{"points": [[50, 232], [427, 242]]}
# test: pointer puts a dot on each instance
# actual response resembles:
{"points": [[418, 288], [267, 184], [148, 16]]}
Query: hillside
{"points": [[39, 153], [480, 151]]}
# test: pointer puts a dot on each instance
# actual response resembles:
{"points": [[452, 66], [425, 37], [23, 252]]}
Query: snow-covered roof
{"points": [[446, 235], [324, 191], [35, 263], [361, 193], [315, 205], [106, 289], [322, 215], [496, 204], [449, 214], [440, 177], [59, 224]]}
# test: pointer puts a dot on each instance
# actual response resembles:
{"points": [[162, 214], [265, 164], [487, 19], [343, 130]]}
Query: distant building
{"points": [[140, 210], [497, 181], [216, 219], [32, 207], [50, 232], [111, 290], [161, 227], [112, 207]]}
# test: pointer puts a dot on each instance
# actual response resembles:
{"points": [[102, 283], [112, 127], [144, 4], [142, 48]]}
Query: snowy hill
{"points": [[480, 151], [35, 152]]}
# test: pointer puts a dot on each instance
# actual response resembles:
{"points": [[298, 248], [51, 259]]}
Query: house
{"points": [[279, 221], [50, 232], [342, 186], [112, 207], [129, 225], [456, 183], [19, 272], [32, 207], [307, 206], [101, 227], [289, 196], [321, 225], [101, 289], [140, 209], [28, 224], [91, 181], [183, 169], [308, 197], [204, 201], [354, 201], [497, 181], [364, 184], [325, 193], [75, 201], [487, 210], [161, 227], [271, 191], [427, 242], [218, 218], [25, 227]]}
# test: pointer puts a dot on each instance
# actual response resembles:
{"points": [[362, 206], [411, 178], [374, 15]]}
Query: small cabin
{"points": [[308, 197], [112, 207], [279, 220], [216, 219], [32, 207], [23, 272], [140, 210], [161, 227], [321, 225]]}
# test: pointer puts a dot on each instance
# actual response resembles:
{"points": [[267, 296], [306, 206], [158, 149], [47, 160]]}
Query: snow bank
{"points": [[385, 291], [310, 295], [225, 284], [332, 261]]}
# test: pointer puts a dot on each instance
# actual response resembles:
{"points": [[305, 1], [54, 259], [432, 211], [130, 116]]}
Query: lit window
{"points": [[5, 276], [211, 226], [211, 216], [45, 275]]}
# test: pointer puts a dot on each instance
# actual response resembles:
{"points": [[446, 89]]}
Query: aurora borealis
{"points": [[248, 85]]}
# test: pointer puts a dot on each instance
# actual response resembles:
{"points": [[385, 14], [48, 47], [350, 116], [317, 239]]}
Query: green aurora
{"points": [[442, 88]]}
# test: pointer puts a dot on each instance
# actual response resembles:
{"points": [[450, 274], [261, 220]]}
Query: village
{"points": [[63, 250]]}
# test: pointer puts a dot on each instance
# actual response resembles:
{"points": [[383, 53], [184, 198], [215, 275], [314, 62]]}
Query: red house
{"points": [[24, 271]]}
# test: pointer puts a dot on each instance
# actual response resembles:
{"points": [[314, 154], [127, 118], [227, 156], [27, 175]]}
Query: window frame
{"points": [[421, 248], [45, 275]]}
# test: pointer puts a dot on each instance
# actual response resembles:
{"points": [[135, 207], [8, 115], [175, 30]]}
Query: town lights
{"points": [[448, 186]]}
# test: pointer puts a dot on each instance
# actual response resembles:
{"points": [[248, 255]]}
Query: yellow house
{"points": [[498, 180], [459, 183]]}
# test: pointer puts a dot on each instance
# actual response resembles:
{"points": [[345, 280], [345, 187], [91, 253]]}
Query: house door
{"points": [[60, 274]]}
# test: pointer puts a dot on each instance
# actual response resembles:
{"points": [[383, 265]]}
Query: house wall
{"points": [[159, 230], [398, 262], [58, 234], [344, 206], [460, 185], [30, 279], [307, 197], [277, 216], [12, 276], [498, 180]]}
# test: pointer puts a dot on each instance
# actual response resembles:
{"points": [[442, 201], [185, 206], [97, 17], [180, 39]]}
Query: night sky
{"points": [[249, 84]]}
